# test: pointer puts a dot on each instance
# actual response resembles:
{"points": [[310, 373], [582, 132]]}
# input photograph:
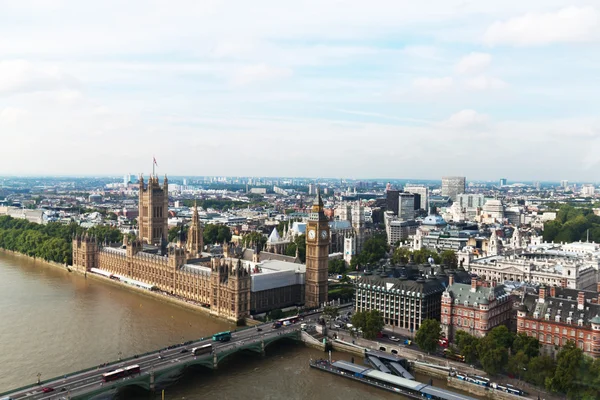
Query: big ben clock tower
{"points": [[317, 255]]}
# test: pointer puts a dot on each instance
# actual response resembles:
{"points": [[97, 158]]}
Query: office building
{"points": [[422, 191], [405, 296], [406, 206], [392, 201], [452, 186], [470, 200], [503, 182]]}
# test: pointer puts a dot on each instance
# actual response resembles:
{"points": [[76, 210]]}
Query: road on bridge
{"points": [[90, 381]]}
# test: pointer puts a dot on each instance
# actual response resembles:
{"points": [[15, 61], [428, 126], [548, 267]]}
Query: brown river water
{"points": [[55, 322]]}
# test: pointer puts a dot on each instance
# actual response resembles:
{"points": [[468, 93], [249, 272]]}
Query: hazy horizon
{"points": [[337, 88]]}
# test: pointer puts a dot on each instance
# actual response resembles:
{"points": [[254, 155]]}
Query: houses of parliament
{"points": [[244, 281]]}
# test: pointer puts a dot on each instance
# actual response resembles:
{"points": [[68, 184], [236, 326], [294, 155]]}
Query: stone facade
{"points": [[224, 285], [317, 255], [153, 211]]}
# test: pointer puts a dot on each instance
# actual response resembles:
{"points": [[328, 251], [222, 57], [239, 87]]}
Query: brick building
{"points": [[475, 308], [557, 315]]}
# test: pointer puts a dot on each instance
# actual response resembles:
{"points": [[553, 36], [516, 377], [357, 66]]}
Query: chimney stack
{"points": [[473, 284], [580, 300], [553, 291], [542, 294], [451, 280]]}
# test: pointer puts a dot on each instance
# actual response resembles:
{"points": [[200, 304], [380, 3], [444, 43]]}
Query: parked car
{"points": [[394, 339]]}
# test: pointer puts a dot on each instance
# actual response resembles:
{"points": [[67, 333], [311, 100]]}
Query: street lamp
{"points": [[120, 355], [39, 375]]}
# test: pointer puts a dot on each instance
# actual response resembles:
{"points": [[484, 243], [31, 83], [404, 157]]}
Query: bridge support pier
{"points": [[262, 348], [152, 385], [215, 360]]}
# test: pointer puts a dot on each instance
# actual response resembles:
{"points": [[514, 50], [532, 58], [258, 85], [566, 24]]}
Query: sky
{"points": [[323, 88]]}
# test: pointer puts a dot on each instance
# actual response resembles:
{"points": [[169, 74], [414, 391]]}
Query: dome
{"points": [[484, 301], [595, 320], [434, 220]]}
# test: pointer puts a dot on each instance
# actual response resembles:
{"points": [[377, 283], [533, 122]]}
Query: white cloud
{"points": [[11, 116], [483, 82], [570, 24], [259, 73], [427, 52], [465, 119], [433, 85], [473, 63], [23, 76]]}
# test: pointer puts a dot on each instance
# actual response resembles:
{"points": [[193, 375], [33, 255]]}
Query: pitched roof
{"points": [[274, 236]]}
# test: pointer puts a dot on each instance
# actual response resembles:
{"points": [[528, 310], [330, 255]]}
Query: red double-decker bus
{"points": [[121, 373]]}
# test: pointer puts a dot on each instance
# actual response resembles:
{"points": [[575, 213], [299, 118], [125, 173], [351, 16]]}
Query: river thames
{"points": [[55, 322]]}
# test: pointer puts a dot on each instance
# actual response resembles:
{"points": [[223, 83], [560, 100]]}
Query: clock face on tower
{"points": [[323, 234], [311, 234]]}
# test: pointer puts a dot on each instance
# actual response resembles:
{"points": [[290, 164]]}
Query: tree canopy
{"points": [[50, 242], [300, 244], [572, 224], [373, 250], [428, 335], [337, 267], [216, 234], [370, 322]]}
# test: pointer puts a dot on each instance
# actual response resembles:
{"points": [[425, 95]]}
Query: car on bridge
{"points": [[47, 389], [184, 350]]}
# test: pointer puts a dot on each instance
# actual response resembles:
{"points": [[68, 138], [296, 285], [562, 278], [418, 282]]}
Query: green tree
{"points": [[216, 234], [359, 319], [528, 344], [106, 233], [589, 378], [276, 314], [449, 258], [467, 345], [568, 362], [502, 336], [539, 369], [330, 312], [337, 267], [254, 238], [517, 364], [370, 322], [401, 255], [492, 354], [428, 335], [422, 256]]}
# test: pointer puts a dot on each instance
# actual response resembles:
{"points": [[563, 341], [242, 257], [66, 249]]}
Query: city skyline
{"points": [[344, 88]]}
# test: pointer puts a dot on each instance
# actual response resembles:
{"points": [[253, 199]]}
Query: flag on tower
{"points": [[154, 159]]}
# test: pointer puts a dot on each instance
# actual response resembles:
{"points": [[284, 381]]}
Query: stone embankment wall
{"points": [[312, 342], [481, 391], [431, 371]]}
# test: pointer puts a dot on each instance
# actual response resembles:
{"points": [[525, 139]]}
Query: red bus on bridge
{"points": [[289, 320]]}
